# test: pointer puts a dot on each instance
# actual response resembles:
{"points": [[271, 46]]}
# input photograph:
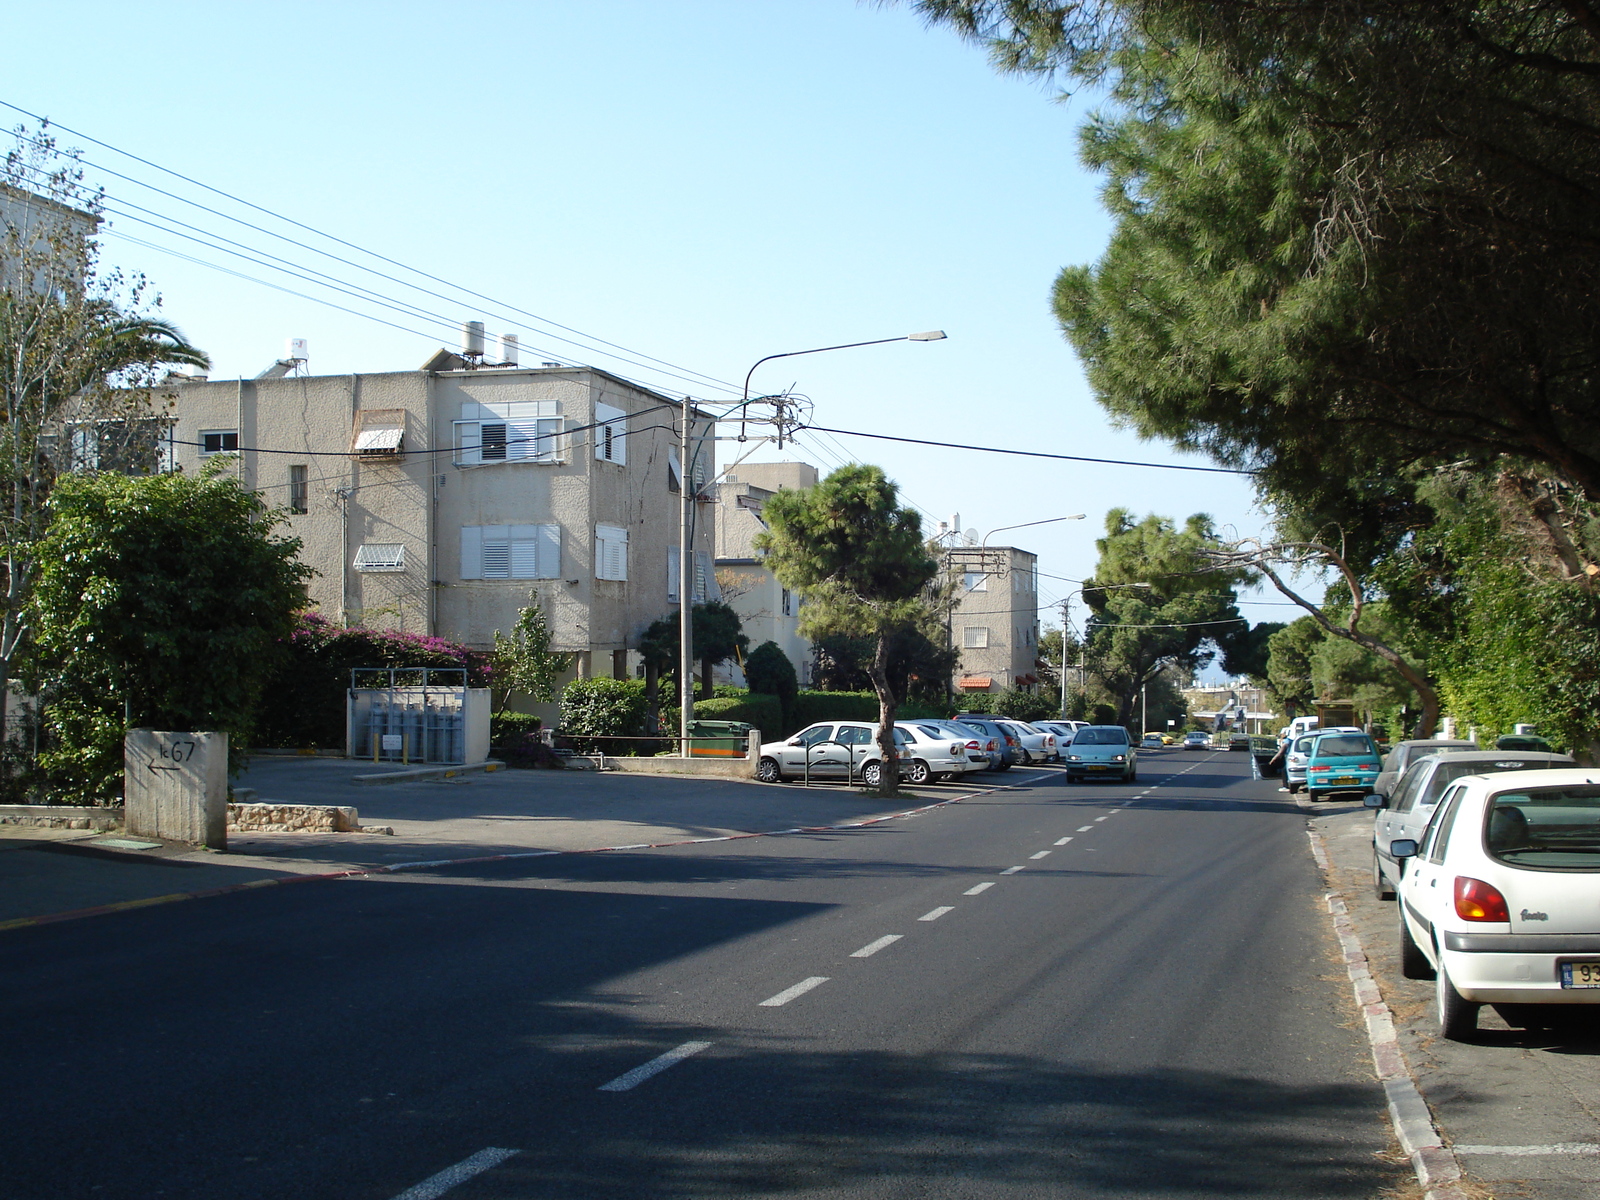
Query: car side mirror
{"points": [[1403, 848], [1375, 800], [794, 742]]}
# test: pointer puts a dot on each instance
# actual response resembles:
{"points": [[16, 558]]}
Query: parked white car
{"points": [[845, 750], [938, 751], [1497, 903]]}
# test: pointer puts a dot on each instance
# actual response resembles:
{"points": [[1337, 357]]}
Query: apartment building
{"points": [[995, 620], [768, 611], [436, 501]]}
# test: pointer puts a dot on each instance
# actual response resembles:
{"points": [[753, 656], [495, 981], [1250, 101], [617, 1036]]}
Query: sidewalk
{"points": [[50, 873], [1520, 1107]]}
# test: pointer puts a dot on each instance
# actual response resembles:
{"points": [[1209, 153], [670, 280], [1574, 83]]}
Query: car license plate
{"points": [[1580, 975], [1344, 781], [1098, 767]]}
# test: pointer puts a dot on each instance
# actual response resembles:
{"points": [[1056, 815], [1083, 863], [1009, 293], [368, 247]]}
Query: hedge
{"points": [[754, 708]]}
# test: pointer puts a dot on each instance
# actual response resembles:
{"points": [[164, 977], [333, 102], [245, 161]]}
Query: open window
{"points": [[380, 433]]}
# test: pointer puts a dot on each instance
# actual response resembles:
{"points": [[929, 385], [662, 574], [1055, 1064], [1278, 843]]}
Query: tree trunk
{"points": [[888, 705], [652, 696], [708, 690]]}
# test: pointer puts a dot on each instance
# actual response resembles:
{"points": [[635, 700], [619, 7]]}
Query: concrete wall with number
{"points": [[175, 786]]}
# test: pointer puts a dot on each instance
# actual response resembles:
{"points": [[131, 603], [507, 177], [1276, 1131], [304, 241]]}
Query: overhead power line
{"points": [[1115, 462]]}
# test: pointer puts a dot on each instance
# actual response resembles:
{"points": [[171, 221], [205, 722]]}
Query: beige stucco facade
{"points": [[768, 611], [995, 621], [435, 501]]}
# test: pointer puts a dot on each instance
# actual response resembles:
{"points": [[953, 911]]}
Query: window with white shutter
{"points": [[525, 431], [511, 552], [975, 637], [610, 434], [610, 552], [673, 562]]}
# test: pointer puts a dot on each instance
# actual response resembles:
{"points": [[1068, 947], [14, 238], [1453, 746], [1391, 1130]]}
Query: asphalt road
{"points": [[1051, 991]]}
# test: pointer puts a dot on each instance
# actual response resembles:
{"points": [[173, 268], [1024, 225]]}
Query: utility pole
{"points": [[1066, 603], [686, 584]]}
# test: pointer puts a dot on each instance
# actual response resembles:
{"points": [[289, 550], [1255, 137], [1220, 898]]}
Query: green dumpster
{"points": [[718, 739]]}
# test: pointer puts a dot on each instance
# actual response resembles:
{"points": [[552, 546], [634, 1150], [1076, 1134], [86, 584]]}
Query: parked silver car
{"points": [[938, 751], [845, 750], [1403, 754], [1039, 745], [1405, 813]]}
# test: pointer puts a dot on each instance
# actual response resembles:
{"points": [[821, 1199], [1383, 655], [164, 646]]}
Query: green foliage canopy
{"points": [[162, 602]]}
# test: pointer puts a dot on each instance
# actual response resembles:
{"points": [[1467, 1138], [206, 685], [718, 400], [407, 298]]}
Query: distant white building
{"points": [[768, 611]]}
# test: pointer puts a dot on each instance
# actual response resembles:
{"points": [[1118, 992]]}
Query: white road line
{"points": [[789, 993], [1014, 870], [979, 889], [1062, 841], [933, 914], [1115, 810], [1042, 854], [872, 948], [655, 1066], [1085, 828], [1101, 818], [437, 1185]]}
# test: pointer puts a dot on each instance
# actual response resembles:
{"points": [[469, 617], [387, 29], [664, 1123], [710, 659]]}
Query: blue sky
{"points": [[703, 183]]}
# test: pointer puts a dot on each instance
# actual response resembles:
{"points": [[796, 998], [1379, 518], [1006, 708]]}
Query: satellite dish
{"points": [[971, 536]]}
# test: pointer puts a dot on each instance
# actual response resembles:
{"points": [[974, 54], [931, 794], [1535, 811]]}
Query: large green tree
{"points": [[162, 601], [860, 559], [1154, 604], [522, 663], [1358, 229], [80, 348]]}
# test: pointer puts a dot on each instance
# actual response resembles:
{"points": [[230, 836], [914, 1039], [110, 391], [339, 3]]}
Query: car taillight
{"points": [[973, 745], [1049, 741], [1367, 767], [956, 748], [1322, 768], [1479, 901]]}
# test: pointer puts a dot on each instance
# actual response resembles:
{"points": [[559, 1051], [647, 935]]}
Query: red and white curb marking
{"points": [[1436, 1166]]}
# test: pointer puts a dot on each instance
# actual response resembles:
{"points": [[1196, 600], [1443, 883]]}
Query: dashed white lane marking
{"points": [[1041, 854], [872, 948], [655, 1066], [1114, 810], [437, 1185], [1098, 819], [789, 993], [1085, 828], [1013, 870], [1062, 841], [933, 914], [979, 889]]}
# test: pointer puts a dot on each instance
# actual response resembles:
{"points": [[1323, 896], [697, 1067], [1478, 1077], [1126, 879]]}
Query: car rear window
{"points": [[1331, 745], [933, 731], [1101, 737], [1446, 773], [1556, 828]]}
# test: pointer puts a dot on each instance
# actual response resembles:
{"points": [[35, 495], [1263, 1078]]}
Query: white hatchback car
{"points": [[1498, 903], [938, 751], [845, 750]]}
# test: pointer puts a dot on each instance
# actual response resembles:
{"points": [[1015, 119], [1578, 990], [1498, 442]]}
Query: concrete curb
{"points": [[1435, 1164], [432, 864], [383, 777]]}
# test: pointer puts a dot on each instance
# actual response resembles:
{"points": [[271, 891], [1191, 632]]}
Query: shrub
{"points": [[597, 714], [506, 728], [769, 670], [1025, 706]]}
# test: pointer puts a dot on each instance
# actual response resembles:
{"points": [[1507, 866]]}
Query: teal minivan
{"points": [[1101, 750], [1343, 760]]}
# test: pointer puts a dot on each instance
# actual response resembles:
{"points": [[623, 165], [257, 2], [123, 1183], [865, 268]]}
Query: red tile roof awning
{"points": [[976, 683]]}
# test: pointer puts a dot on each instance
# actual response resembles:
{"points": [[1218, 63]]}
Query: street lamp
{"points": [[686, 521], [931, 335]]}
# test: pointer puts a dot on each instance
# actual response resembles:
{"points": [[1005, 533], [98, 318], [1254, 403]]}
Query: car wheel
{"points": [[872, 774], [1133, 776], [1313, 796], [1458, 1018], [1004, 766], [767, 771], [1381, 887], [1414, 963], [917, 773]]}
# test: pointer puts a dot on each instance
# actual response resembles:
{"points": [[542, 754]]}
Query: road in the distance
{"points": [[1050, 991]]}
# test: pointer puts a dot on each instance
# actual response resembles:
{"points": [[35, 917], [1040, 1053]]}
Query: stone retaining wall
{"points": [[60, 816]]}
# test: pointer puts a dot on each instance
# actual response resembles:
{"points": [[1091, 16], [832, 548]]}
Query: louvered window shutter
{"points": [[549, 552], [471, 552]]}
